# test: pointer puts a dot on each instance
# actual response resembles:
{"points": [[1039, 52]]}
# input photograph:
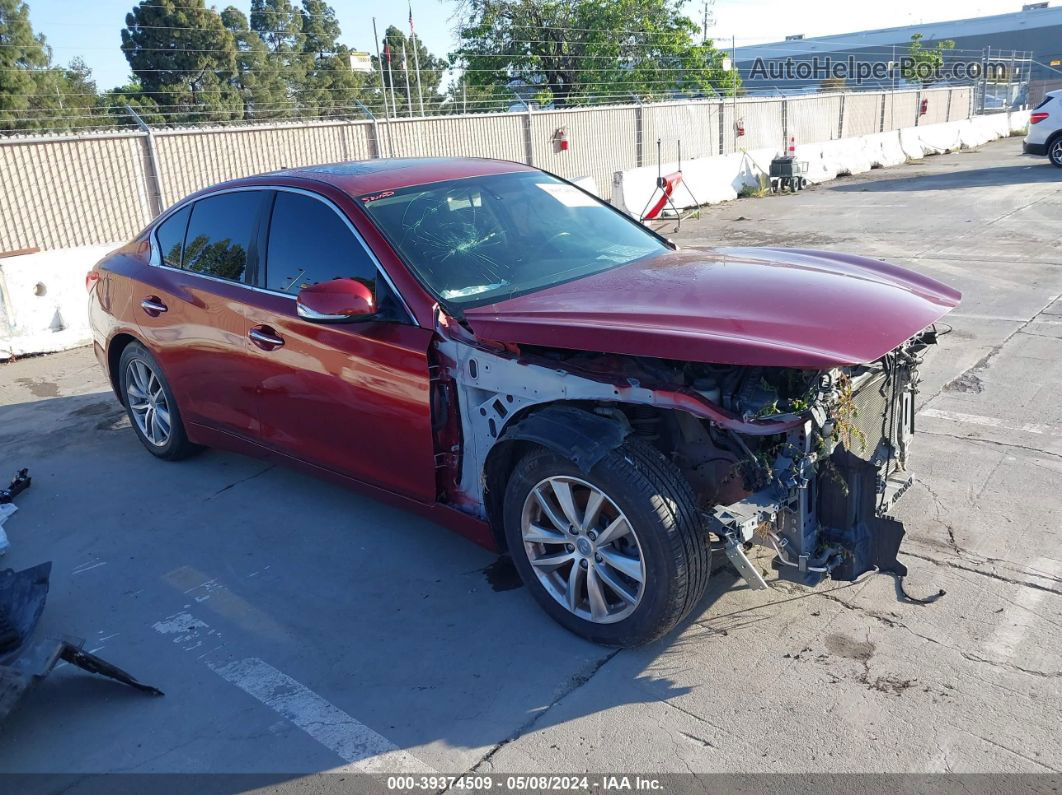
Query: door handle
{"points": [[265, 338], [153, 306]]}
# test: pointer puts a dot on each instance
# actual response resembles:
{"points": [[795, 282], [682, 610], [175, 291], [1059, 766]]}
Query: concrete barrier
{"points": [[43, 304], [884, 149], [716, 179]]}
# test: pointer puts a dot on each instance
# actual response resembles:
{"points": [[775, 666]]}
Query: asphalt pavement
{"points": [[298, 627]]}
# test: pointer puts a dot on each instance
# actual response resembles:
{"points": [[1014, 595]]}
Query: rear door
{"points": [[192, 312], [350, 397]]}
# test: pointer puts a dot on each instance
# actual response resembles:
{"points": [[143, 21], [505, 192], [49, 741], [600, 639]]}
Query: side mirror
{"points": [[336, 301]]}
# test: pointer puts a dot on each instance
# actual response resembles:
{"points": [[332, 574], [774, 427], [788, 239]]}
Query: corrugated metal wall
{"points": [[64, 191], [812, 120], [499, 136], [695, 124], [193, 159], [901, 110], [862, 114], [57, 192], [600, 142]]}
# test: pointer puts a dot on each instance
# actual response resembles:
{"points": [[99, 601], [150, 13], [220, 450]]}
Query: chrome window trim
{"points": [[155, 259]]}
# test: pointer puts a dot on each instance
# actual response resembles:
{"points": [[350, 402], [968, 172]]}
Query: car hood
{"points": [[750, 306]]}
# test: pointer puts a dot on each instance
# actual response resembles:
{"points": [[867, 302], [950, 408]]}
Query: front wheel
{"points": [[1054, 154], [617, 554]]}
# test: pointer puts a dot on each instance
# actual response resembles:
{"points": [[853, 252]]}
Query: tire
{"points": [[163, 439], [1054, 152], [669, 541]]}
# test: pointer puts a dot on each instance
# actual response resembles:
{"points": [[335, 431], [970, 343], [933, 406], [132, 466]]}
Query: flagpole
{"points": [[405, 68], [391, 78], [416, 58], [383, 89]]}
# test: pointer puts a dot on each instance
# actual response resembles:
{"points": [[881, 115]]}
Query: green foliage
{"points": [[259, 79], [430, 74], [34, 94], [581, 52], [924, 63], [185, 60], [833, 84], [328, 87]]}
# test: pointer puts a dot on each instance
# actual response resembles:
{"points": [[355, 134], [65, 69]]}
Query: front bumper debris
{"points": [[22, 664]]}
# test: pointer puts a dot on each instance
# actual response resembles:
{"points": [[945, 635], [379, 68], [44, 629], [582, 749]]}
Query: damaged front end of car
{"points": [[806, 462]]}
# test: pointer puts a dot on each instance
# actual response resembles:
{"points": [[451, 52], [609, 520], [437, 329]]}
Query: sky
{"points": [[90, 28]]}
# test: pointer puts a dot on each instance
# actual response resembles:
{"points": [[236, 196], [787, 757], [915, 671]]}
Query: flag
{"points": [[387, 52], [411, 32]]}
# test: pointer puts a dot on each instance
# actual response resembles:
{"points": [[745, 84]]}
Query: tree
{"points": [[34, 94], [320, 28], [184, 60], [833, 84], [922, 65], [279, 24], [329, 87], [429, 76], [259, 78], [132, 95], [588, 51]]}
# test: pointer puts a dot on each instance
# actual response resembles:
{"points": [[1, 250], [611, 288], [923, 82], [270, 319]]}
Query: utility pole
{"points": [[708, 19]]}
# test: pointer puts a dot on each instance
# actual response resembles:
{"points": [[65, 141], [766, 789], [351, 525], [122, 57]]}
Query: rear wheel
{"points": [[617, 554], [1054, 152], [150, 404]]}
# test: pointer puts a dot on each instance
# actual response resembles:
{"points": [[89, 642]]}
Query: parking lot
{"points": [[297, 627]]}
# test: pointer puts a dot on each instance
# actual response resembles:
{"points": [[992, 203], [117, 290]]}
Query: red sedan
{"points": [[496, 348]]}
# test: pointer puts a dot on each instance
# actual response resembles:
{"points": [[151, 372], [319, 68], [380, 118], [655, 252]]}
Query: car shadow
{"points": [[407, 628], [1026, 171]]}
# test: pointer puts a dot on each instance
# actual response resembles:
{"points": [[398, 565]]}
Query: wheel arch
{"points": [[119, 342], [570, 430], [1051, 140]]}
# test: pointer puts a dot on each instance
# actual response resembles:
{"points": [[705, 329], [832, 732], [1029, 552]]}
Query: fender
{"points": [[580, 436]]}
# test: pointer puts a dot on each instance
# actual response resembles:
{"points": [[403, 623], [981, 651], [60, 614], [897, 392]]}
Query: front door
{"points": [[353, 398]]}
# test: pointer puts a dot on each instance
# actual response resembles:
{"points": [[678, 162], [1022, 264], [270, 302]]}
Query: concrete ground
{"points": [[299, 627]]}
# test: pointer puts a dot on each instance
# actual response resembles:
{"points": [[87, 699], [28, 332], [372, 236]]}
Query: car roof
{"points": [[358, 177]]}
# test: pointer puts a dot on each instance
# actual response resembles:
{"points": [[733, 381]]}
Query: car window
{"points": [[170, 237], [219, 234], [309, 244], [1045, 101], [482, 239]]}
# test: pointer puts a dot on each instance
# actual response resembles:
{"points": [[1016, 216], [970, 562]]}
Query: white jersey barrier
{"points": [[43, 303], [711, 180]]}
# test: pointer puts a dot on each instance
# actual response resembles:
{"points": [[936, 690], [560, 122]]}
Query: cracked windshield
{"points": [[484, 239]]}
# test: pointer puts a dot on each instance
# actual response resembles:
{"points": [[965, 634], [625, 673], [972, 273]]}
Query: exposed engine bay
{"points": [[805, 462]]}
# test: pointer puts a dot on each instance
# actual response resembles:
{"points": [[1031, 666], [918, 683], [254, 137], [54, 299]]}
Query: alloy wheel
{"points": [[1056, 152], [147, 402], [583, 550]]}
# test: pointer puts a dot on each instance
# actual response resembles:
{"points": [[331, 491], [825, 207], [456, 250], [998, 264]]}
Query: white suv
{"points": [[1045, 129]]}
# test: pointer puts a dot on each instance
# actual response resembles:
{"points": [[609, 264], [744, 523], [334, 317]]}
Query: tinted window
{"points": [[309, 243], [1045, 101], [219, 234], [170, 236]]}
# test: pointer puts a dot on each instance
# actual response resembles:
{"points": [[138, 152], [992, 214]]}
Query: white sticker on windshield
{"points": [[568, 195]]}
